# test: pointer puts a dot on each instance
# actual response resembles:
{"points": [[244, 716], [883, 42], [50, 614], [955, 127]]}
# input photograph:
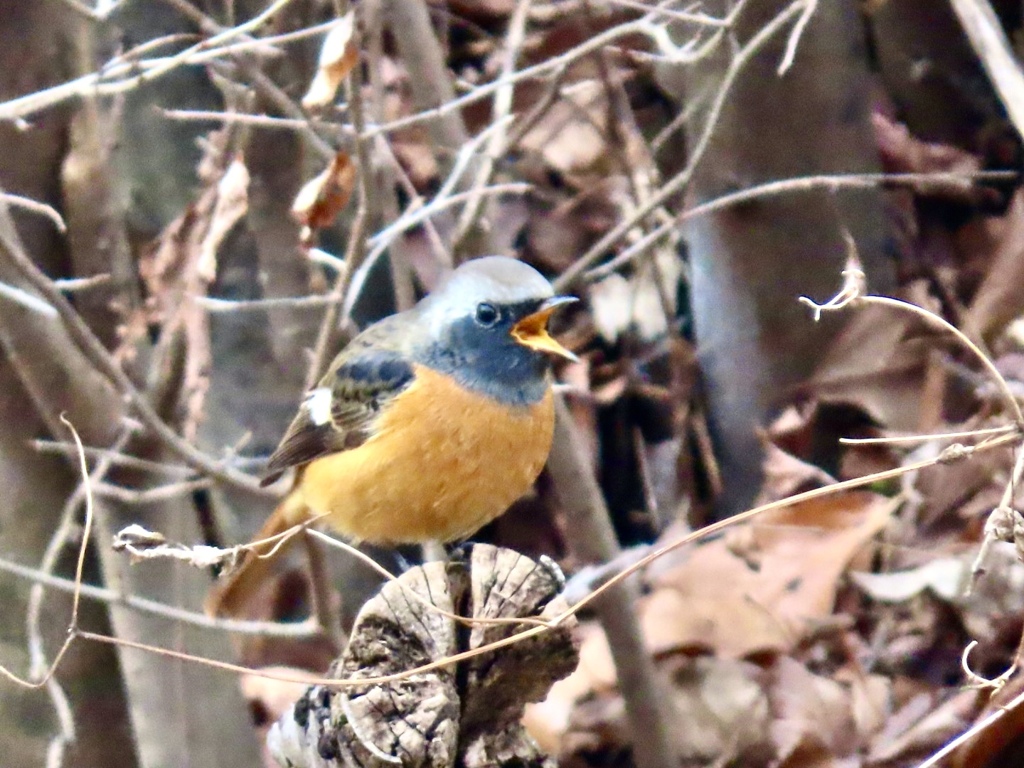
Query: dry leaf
{"points": [[338, 55], [786, 475], [999, 299], [322, 197], [937, 726], [804, 550], [901, 152], [622, 304], [765, 593], [269, 699], [714, 613], [812, 713], [873, 365], [721, 712], [946, 577], [548, 720]]}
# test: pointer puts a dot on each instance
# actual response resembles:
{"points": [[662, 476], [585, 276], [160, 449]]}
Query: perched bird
{"points": [[428, 425]]}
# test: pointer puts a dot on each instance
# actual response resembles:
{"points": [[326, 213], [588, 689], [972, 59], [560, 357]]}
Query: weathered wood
{"points": [[466, 715]]}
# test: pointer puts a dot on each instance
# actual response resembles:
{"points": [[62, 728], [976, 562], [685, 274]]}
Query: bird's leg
{"points": [[459, 552], [406, 558]]}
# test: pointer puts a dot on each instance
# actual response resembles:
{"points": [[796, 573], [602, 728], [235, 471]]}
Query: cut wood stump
{"points": [[464, 715]]}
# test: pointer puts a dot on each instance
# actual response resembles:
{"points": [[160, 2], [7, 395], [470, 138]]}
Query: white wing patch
{"points": [[318, 405]]}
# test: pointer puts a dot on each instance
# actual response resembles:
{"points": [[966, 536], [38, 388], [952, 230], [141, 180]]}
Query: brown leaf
{"points": [[813, 714], [723, 712], [338, 55], [322, 197], [763, 588], [785, 475], [947, 577], [269, 699], [871, 364], [902, 152], [548, 720], [999, 298], [805, 549], [937, 726]]}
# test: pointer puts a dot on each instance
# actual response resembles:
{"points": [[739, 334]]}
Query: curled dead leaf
{"points": [[338, 55], [322, 197]]}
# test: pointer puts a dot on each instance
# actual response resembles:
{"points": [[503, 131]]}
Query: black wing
{"points": [[340, 413]]}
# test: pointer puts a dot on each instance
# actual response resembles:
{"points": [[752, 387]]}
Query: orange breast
{"points": [[444, 462]]}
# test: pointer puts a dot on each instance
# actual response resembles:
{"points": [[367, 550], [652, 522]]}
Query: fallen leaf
{"points": [[999, 299], [786, 475], [871, 700], [596, 663], [338, 55], [271, 695], [766, 586], [322, 197], [714, 613], [812, 713], [547, 721], [945, 576], [270, 699], [937, 726], [873, 365], [635, 304], [721, 711]]}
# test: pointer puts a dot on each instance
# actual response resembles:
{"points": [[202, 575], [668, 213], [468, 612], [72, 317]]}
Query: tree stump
{"points": [[465, 715]]}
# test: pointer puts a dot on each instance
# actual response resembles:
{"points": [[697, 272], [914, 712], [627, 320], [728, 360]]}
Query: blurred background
{"points": [[225, 191]]}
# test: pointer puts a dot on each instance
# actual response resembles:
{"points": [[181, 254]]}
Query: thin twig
{"points": [[133, 73], [58, 541], [259, 121], [985, 33], [98, 355], [832, 182], [308, 628], [78, 284], [897, 439], [119, 459], [681, 180], [496, 145], [997, 714], [528, 73], [27, 300], [956, 454], [228, 306], [34, 206], [151, 495], [355, 250], [794, 37]]}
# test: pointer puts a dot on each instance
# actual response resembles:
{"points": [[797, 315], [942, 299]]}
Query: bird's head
{"points": [[488, 325]]}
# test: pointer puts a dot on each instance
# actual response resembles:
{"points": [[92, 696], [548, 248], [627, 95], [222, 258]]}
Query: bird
{"points": [[426, 426]]}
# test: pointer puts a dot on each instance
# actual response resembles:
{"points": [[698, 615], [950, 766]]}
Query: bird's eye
{"points": [[487, 315]]}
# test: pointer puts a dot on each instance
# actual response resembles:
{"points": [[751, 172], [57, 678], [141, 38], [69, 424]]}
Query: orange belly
{"points": [[443, 463]]}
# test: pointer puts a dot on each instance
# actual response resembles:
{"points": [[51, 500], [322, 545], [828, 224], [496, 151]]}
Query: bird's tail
{"points": [[230, 596]]}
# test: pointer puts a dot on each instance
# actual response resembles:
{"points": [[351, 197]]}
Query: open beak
{"points": [[532, 330]]}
